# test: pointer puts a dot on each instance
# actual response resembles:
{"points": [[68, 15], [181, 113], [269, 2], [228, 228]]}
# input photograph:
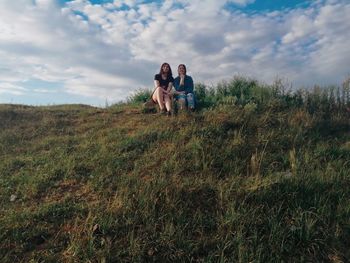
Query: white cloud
{"points": [[242, 2], [9, 88], [44, 91], [106, 52], [302, 27]]}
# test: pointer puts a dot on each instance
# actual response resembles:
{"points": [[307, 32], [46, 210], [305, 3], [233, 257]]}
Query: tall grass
{"points": [[258, 174], [241, 91]]}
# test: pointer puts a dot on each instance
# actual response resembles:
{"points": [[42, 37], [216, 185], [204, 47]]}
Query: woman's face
{"points": [[181, 70], [165, 68]]}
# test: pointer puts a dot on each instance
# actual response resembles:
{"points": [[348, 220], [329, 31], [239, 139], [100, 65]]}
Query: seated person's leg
{"points": [[167, 100], [190, 101], [158, 97], [181, 101]]}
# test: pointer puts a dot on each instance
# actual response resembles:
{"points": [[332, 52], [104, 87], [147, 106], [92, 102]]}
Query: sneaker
{"points": [[168, 113]]}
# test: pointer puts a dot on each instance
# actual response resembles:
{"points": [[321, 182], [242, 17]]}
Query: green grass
{"points": [[256, 174]]}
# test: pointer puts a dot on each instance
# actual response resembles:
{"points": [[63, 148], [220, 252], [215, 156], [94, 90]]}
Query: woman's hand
{"points": [[166, 92], [182, 79]]}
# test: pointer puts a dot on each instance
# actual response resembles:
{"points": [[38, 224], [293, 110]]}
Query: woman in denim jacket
{"points": [[184, 94]]}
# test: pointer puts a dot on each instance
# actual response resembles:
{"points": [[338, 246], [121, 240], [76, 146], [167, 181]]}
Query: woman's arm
{"points": [[156, 84], [170, 86], [178, 89], [189, 85]]}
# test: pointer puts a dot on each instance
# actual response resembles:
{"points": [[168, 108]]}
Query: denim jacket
{"points": [[188, 84]]}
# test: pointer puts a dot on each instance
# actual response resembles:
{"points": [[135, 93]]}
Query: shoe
{"points": [[168, 113], [162, 112]]}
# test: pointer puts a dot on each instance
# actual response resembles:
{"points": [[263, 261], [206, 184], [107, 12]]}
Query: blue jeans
{"points": [[189, 98]]}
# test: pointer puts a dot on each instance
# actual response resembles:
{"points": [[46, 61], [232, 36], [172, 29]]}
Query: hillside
{"points": [[255, 175]]}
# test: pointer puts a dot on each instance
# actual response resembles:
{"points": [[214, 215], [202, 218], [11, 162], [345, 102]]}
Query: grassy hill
{"points": [[257, 174]]}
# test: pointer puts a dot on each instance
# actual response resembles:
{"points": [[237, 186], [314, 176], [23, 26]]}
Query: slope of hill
{"points": [[241, 180]]}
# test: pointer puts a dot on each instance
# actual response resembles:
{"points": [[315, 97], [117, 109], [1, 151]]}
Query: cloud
{"points": [[242, 2], [44, 91], [109, 50], [8, 88]]}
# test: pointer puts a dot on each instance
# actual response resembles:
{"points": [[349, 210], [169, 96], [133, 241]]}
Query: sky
{"points": [[100, 52]]}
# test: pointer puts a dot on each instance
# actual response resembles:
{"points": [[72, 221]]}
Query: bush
{"points": [[140, 96], [240, 91]]}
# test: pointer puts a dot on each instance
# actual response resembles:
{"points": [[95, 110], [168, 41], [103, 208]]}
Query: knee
{"points": [[159, 90], [190, 96]]}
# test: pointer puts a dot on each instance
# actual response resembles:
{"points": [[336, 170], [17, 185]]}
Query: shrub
{"points": [[140, 96]]}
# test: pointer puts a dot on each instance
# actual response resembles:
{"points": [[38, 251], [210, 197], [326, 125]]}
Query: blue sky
{"points": [[272, 5], [93, 52], [259, 5]]}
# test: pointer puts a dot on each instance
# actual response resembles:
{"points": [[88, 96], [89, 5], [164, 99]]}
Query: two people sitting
{"points": [[164, 83]]}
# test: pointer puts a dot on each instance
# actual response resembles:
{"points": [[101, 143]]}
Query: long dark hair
{"points": [[170, 73], [183, 66]]}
